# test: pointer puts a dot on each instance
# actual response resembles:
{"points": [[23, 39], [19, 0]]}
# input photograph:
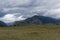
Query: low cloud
{"points": [[11, 18]]}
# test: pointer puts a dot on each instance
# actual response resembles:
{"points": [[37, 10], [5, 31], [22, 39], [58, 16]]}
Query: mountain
{"points": [[37, 20], [2, 24]]}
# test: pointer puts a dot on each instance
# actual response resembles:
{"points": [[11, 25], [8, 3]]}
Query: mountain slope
{"points": [[2, 24], [37, 20]]}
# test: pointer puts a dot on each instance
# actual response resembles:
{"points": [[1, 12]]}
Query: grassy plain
{"points": [[31, 32]]}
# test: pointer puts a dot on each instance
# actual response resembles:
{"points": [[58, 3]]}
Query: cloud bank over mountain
{"points": [[21, 9], [11, 18]]}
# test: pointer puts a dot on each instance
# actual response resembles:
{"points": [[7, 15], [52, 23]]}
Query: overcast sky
{"points": [[13, 10]]}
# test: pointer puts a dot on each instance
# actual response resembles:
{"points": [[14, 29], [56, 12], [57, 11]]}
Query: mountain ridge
{"points": [[37, 20], [2, 24]]}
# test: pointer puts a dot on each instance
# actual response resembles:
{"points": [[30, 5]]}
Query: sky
{"points": [[16, 10]]}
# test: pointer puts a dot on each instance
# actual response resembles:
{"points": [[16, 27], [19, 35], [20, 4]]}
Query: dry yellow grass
{"points": [[33, 32]]}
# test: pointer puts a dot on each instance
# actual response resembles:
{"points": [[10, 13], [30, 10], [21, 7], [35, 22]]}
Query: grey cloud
{"points": [[28, 8]]}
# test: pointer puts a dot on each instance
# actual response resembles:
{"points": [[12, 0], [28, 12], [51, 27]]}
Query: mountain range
{"points": [[37, 20]]}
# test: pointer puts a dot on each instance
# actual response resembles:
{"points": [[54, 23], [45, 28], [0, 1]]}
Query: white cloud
{"points": [[11, 18]]}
